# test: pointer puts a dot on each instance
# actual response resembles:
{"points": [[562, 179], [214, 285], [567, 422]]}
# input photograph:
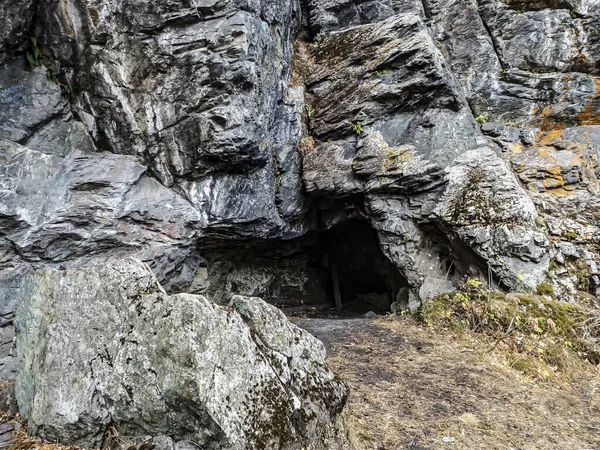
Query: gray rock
{"points": [[541, 40], [361, 84], [462, 36], [290, 282], [15, 22], [8, 402], [326, 15], [28, 100], [183, 143], [488, 211], [65, 211], [105, 346], [199, 95], [328, 170]]}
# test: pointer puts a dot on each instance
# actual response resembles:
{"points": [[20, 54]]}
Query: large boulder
{"points": [[485, 208], [103, 349]]}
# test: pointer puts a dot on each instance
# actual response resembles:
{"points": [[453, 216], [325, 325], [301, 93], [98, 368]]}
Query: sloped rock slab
{"points": [[7, 432]]}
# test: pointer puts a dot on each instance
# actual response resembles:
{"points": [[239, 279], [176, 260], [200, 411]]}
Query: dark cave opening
{"points": [[349, 255], [299, 275]]}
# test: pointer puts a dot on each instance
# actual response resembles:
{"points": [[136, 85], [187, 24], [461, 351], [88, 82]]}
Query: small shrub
{"points": [[36, 59], [35, 56], [310, 112], [320, 37]]}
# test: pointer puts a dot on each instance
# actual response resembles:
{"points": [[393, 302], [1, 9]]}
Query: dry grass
{"points": [[22, 440], [417, 387], [536, 334]]}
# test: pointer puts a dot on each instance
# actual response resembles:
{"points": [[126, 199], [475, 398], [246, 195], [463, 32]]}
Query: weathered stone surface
{"points": [[84, 199], [15, 22], [507, 57], [389, 77], [462, 37], [282, 281], [28, 100], [588, 35], [328, 170], [188, 141], [196, 92], [542, 40], [489, 212], [105, 346], [65, 211], [326, 15]]}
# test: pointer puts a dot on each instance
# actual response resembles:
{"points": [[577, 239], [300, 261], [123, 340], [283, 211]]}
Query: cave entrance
{"points": [[357, 272], [300, 275]]}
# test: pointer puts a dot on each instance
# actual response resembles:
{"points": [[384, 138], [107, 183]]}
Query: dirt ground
{"points": [[413, 387]]}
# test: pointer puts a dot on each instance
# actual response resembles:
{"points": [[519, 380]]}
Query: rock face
{"points": [[15, 24], [104, 349], [194, 90], [234, 146]]}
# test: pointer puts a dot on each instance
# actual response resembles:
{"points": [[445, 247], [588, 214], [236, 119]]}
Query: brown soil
{"points": [[414, 387]]}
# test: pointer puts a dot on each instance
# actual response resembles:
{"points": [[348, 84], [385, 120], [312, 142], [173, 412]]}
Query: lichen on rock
{"points": [[105, 346]]}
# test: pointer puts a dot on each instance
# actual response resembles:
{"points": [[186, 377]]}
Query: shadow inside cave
{"points": [[301, 275], [349, 255]]}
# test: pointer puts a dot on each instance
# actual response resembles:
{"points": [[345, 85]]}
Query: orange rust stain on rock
{"points": [[515, 148], [591, 113], [553, 183], [552, 136], [65, 7], [561, 192], [548, 123]]}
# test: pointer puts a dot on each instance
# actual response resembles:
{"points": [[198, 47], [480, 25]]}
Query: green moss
{"points": [[523, 364], [583, 274], [546, 289], [474, 204], [481, 118], [435, 309], [542, 331]]}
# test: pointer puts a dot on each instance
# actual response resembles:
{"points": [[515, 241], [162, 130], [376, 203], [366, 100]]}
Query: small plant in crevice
{"points": [[482, 118], [36, 58], [310, 111], [320, 37], [357, 127], [381, 73]]}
